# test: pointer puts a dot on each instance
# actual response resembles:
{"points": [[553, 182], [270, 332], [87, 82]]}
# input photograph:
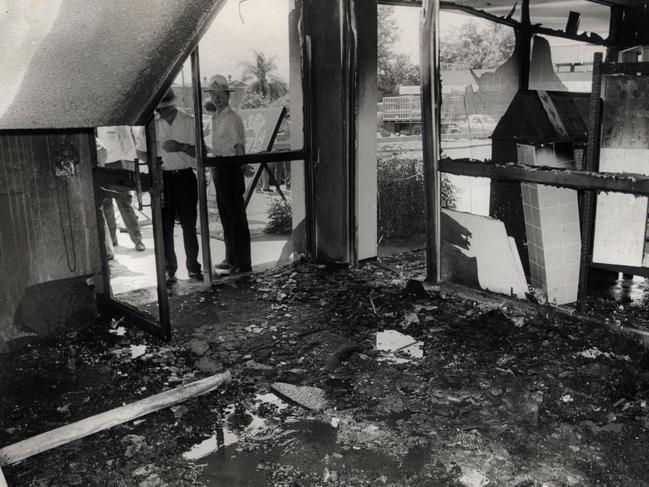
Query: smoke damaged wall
{"points": [[48, 233]]}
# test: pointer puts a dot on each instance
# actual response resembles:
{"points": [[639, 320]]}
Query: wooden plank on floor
{"points": [[65, 434]]}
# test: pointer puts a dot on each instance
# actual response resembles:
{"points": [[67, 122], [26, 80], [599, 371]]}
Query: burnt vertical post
{"points": [[200, 170], [431, 103], [525, 36], [348, 109], [157, 195], [615, 33], [591, 163], [301, 133], [103, 286]]}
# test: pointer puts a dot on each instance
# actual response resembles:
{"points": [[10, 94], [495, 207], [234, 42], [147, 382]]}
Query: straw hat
{"points": [[169, 100], [218, 83]]}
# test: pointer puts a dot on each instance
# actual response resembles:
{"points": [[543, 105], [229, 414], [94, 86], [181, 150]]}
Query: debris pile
{"points": [[344, 377]]}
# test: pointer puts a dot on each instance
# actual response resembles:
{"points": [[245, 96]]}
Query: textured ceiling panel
{"points": [[90, 63]]}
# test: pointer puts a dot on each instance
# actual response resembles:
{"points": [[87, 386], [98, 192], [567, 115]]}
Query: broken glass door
{"points": [[129, 195]]}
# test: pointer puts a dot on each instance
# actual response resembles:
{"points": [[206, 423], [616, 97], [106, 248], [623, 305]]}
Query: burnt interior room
{"points": [[446, 205]]}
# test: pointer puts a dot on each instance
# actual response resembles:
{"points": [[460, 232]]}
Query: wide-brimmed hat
{"points": [[169, 100], [218, 83]]}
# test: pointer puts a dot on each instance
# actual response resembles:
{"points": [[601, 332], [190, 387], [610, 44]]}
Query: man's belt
{"points": [[175, 171], [108, 177]]}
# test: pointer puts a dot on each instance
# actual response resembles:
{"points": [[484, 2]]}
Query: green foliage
{"points": [[263, 82], [401, 197], [251, 99], [475, 45], [394, 69], [280, 217]]}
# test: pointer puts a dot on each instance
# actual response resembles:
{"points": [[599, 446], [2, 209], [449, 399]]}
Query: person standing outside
{"points": [[229, 139], [120, 152], [176, 146]]}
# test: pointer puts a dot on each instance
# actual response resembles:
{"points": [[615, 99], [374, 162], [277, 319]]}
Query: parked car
{"points": [[475, 126]]}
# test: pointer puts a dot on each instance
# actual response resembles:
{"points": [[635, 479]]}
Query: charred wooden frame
{"points": [[515, 24], [106, 304], [589, 201], [200, 158], [105, 270], [431, 93], [157, 198], [310, 150], [349, 110], [256, 158], [588, 181], [565, 178]]}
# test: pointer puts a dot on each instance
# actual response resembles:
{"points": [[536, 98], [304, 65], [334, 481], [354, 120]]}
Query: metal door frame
{"points": [[107, 305]]}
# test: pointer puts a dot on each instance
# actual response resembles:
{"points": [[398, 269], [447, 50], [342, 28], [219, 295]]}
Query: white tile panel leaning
{"points": [[621, 219]]}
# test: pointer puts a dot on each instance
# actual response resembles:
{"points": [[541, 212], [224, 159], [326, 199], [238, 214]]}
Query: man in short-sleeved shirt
{"points": [[176, 141], [119, 145], [228, 139]]}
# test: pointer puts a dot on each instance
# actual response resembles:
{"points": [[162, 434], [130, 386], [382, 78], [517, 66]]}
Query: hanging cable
{"points": [[65, 157]]}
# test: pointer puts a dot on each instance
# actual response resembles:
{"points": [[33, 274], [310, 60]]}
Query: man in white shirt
{"points": [[229, 139], [175, 135], [120, 153]]}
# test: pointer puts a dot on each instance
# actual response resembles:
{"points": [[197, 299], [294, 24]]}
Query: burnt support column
{"points": [[364, 25], [340, 38], [524, 37], [431, 96]]}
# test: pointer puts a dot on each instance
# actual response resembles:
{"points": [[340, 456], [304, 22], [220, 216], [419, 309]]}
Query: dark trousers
{"points": [[124, 204], [180, 200], [230, 187]]}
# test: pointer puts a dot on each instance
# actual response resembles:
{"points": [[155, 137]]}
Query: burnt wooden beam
{"points": [[624, 269], [156, 193], [625, 68], [615, 33], [431, 99], [584, 37], [480, 13], [200, 173], [301, 33], [636, 184], [68, 433], [589, 199], [533, 29], [615, 3], [401, 3], [257, 158], [524, 43]]}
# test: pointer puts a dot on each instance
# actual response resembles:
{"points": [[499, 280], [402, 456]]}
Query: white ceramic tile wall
{"points": [[621, 219], [553, 235]]}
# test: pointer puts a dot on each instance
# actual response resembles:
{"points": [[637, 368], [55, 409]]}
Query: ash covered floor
{"points": [[455, 394]]}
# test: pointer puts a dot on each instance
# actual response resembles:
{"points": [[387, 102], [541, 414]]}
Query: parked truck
{"points": [[402, 115]]}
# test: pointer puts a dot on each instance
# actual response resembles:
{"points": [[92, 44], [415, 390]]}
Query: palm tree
{"points": [[264, 82]]}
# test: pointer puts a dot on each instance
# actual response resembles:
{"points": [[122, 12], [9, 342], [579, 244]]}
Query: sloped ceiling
{"points": [[487, 4], [90, 63]]}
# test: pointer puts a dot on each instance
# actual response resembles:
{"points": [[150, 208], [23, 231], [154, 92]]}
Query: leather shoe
{"points": [[196, 275], [224, 266], [171, 278], [140, 247]]}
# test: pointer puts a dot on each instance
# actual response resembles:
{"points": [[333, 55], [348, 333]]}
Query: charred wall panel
{"points": [[366, 175], [48, 232], [331, 176]]}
